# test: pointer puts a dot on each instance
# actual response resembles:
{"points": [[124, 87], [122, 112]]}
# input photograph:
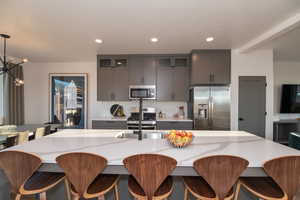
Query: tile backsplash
{"points": [[169, 108]]}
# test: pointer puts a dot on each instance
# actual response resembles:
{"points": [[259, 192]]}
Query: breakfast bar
{"points": [[111, 145]]}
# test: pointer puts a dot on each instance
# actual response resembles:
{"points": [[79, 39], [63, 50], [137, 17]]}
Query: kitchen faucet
{"points": [[139, 132]]}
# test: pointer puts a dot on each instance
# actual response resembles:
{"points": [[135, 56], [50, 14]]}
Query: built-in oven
{"points": [[142, 91], [148, 120]]}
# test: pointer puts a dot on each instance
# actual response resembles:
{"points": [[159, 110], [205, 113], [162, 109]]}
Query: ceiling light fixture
{"points": [[209, 39], [154, 39], [7, 66], [99, 41]]}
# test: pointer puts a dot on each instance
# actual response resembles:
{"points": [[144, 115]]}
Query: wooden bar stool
{"points": [[218, 176], [21, 171], [83, 172], [150, 176], [283, 183]]}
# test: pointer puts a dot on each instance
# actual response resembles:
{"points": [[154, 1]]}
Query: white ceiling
{"points": [[286, 47], [65, 30]]}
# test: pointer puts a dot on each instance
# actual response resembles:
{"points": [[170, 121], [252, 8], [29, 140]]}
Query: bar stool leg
{"points": [[237, 190], [15, 196], [116, 192], [186, 194], [43, 196], [67, 188], [101, 197]]}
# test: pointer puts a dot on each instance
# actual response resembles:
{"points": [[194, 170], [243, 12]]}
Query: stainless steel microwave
{"points": [[142, 91]]}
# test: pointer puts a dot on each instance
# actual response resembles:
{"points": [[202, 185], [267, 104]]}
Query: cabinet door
{"points": [[105, 84], [149, 71], [164, 83], [98, 124], [136, 70], [201, 68], [142, 70], [174, 125], [221, 62], [180, 83], [120, 83]]}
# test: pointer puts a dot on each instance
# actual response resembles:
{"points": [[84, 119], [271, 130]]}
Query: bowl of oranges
{"points": [[179, 139]]}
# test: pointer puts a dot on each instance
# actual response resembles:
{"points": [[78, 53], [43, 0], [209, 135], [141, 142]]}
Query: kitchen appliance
{"points": [[142, 91], [209, 107], [148, 119]]}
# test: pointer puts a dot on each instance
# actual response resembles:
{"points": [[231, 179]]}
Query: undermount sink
{"points": [[145, 135]]}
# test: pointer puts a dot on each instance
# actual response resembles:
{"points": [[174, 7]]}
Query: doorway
{"points": [[252, 104]]}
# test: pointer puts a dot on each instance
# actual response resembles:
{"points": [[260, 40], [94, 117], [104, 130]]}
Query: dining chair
{"points": [[83, 172], [40, 132], [21, 168], [217, 177], [283, 182], [150, 176], [23, 137]]}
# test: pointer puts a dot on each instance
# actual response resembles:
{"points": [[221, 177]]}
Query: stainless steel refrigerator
{"points": [[209, 106]]}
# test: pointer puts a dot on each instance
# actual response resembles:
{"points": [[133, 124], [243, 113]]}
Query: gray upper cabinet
{"points": [[172, 78], [210, 67], [112, 81], [142, 70]]}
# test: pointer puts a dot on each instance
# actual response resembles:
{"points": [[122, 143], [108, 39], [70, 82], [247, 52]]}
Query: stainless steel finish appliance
{"points": [[209, 106], [148, 120], [142, 91]]}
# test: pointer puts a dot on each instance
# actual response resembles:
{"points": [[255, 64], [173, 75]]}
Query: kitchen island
{"points": [[108, 144]]}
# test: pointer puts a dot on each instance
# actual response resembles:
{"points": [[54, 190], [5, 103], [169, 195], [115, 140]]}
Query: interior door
{"points": [[252, 104], [220, 108]]}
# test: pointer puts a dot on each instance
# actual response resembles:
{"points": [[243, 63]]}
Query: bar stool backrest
{"points": [[18, 167], [150, 170], [221, 172], [285, 171], [81, 169]]}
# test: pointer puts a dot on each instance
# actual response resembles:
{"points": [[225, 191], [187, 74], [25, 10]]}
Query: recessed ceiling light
{"points": [[209, 39], [25, 60], [99, 41], [154, 39]]}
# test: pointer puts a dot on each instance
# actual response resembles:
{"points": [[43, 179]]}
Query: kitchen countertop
{"points": [[173, 119], [110, 119], [167, 119], [206, 143]]}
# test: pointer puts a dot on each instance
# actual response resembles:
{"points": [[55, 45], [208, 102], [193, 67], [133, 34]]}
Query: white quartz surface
{"points": [[206, 143], [173, 119], [110, 119]]}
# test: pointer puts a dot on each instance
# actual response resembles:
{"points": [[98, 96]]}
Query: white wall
{"points": [[284, 73], [36, 77], [255, 63]]}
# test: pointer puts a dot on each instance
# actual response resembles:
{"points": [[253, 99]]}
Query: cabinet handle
{"points": [[112, 96], [143, 80], [172, 96], [211, 78]]}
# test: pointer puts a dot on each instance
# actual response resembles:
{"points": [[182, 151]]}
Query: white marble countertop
{"points": [[173, 119], [170, 119], [110, 119], [206, 143]]}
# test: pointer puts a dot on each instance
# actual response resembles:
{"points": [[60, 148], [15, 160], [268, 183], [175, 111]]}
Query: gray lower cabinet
{"points": [[112, 83], [172, 83], [108, 124], [210, 67], [175, 125]]}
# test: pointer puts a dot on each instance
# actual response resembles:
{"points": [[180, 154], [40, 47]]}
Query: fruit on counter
{"points": [[179, 138]]}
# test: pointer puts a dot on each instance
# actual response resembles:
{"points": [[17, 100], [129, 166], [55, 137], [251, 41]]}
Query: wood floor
{"points": [[56, 193]]}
